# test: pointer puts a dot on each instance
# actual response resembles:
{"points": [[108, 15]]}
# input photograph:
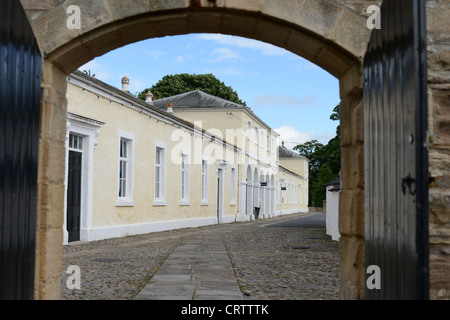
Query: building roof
{"points": [[195, 99], [135, 101], [283, 152], [336, 183], [203, 100]]}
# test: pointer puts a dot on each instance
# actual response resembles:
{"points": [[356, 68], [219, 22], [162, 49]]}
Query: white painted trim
{"points": [[100, 233], [128, 200], [90, 131], [161, 201]]}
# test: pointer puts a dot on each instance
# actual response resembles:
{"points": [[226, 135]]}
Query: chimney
{"points": [[125, 83], [149, 97], [170, 107]]}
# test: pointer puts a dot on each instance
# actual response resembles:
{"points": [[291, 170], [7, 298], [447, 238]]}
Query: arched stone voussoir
{"points": [[330, 35]]}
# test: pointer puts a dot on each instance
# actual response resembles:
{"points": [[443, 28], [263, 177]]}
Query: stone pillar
{"points": [[351, 197], [51, 189], [438, 35]]}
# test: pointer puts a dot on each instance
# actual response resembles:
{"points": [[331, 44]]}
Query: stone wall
{"points": [[331, 34], [438, 41]]}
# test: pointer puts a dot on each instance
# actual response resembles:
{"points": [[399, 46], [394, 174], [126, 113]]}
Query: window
{"points": [[125, 193], [233, 186], [257, 135], [75, 142], [249, 130], [184, 180], [160, 175], [204, 182], [268, 142], [123, 159]]}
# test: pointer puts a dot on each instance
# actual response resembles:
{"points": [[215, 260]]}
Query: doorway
{"points": [[74, 195]]}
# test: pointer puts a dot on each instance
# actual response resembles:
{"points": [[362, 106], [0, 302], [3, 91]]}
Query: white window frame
{"points": [[268, 141], [204, 185], [273, 145], [250, 129], [184, 179], [128, 199], [161, 199], [233, 186], [257, 135]]}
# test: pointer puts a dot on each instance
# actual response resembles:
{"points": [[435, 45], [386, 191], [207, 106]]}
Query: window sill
{"points": [[204, 203], [157, 203], [124, 203], [232, 203], [185, 203]]}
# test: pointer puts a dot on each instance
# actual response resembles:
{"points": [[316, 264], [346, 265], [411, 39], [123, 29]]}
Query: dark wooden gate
{"points": [[74, 195], [20, 80], [396, 157]]}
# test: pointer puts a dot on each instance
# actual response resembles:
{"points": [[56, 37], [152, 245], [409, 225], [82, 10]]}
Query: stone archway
{"points": [[331, 34]]}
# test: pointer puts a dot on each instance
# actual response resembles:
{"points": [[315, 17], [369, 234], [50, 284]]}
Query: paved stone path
{"points": [[198, 269], [283, 258]]}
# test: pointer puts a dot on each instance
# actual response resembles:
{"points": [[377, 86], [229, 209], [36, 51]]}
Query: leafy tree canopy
{"points": [[171, 85], [324, 162]]}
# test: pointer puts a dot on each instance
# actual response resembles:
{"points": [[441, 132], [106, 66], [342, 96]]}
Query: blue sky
{"points": [[292, 95]]}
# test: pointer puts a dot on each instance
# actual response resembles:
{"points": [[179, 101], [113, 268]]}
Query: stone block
{"points": [[437, 17], [48, 260], [232, 24], [288, 10], [351, 82], [53, 115], [320, 16], [272, 33], [443, 131], [352, 267], [304, 45], [357, 120], [52, 157], [334, 60], [352, 33], [247, 5], [442, 103], [50, 206], [205, 22], [36, 4], [351, 212], [352, 173]]}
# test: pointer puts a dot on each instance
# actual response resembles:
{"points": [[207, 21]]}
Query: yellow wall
{"points": [[148, 129]]}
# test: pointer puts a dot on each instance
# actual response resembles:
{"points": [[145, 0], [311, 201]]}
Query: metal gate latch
{"points": [[407, 182]]}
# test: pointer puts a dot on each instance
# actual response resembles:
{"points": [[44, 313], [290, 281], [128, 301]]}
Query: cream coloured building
{"points": [[190, 160]]}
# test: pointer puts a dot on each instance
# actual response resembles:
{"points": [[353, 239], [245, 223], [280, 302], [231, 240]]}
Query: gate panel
{"points": [[20, 79], [396, 182]]}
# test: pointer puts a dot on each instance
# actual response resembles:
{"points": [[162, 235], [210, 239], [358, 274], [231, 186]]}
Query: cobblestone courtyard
{"points": [[270, 262]]}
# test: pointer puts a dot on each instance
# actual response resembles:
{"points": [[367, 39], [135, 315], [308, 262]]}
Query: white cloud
{"points": [[265, 48], [292, 136], [155, 54], [179, 59], [225, 54], [283, 101]]}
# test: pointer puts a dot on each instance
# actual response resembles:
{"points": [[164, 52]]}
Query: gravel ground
{"points": [[270, 263]]}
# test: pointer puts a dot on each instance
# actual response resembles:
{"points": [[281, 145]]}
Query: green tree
{"points": [[324, 162], [171, 85]]}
